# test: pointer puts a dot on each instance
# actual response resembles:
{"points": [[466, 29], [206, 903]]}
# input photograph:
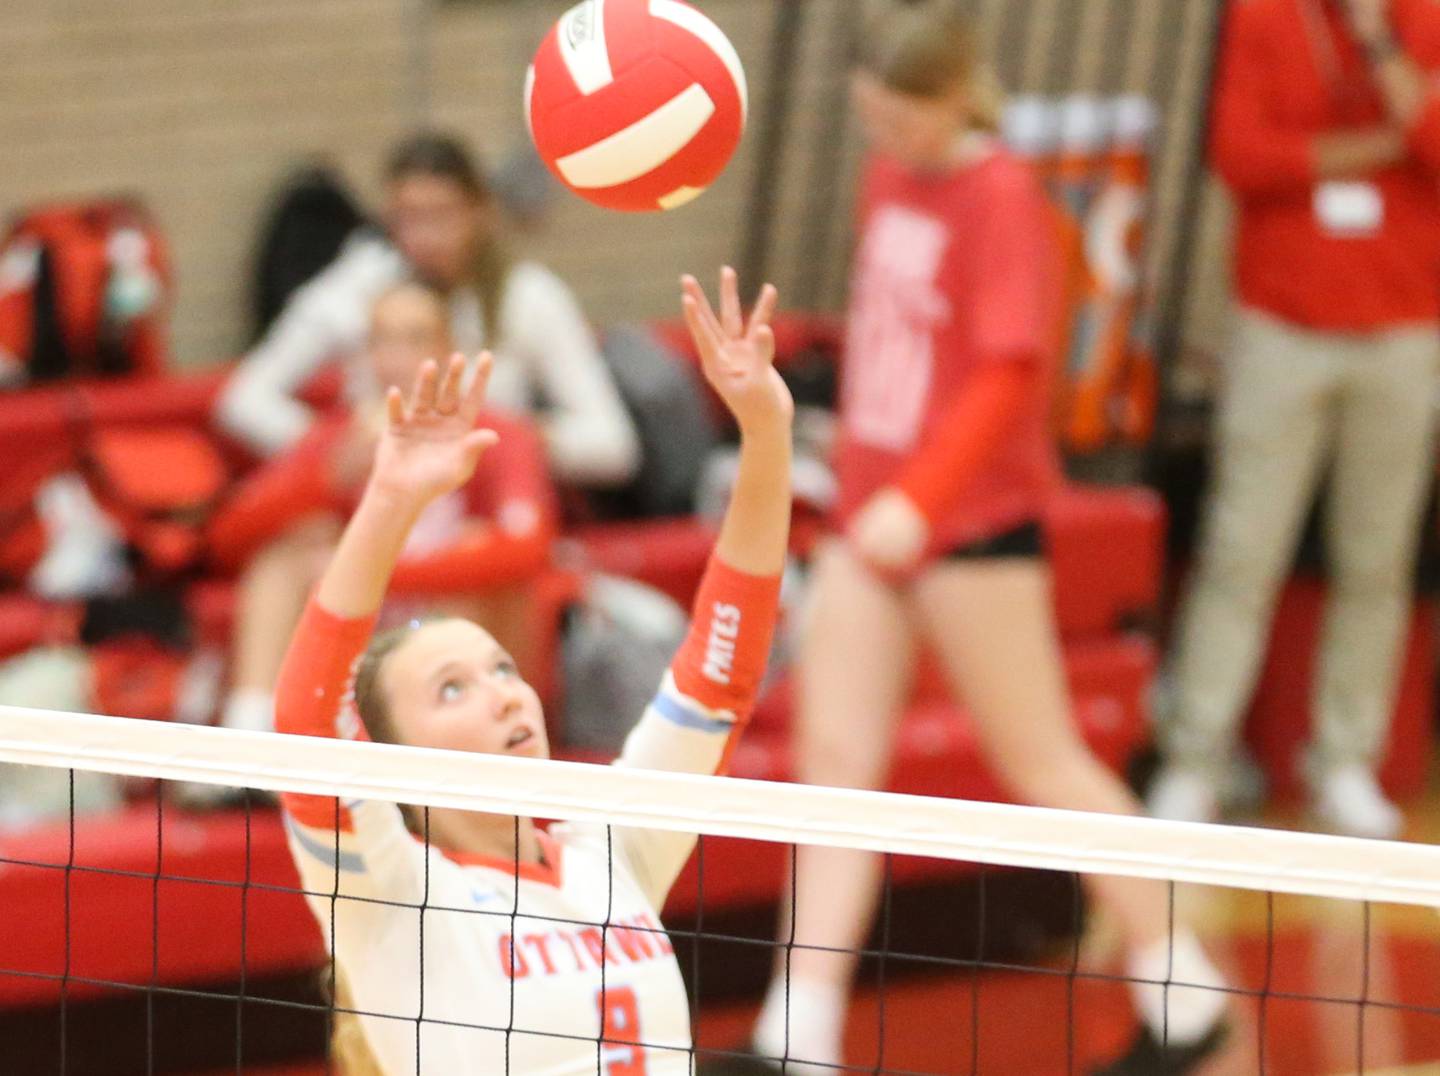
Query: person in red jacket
{"points": [[946, 463], [1327, 131], [470, 553]]}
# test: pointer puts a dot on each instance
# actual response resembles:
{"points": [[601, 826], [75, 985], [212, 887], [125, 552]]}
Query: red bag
{"points": [[160, 484], [84, 292]]}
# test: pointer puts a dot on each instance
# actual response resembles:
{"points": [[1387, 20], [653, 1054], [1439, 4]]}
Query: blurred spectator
{"points": [[443, 227], [1327, 131], [476, 546]]}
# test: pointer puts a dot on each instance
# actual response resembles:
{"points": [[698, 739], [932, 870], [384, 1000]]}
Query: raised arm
{"points": [[430, 447], [514, 520], [705, 699]]}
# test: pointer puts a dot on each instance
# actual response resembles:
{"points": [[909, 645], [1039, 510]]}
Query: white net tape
{"points": [[1245, 858]]}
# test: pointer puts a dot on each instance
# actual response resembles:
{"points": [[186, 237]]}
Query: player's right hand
{"points": [[430, 445]]}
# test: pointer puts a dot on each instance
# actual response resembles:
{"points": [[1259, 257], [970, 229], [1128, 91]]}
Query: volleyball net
{"points": [[183, 943]]}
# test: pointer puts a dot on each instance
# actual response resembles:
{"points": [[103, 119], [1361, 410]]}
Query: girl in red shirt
{"points": [[946, 464], [471, 553]]}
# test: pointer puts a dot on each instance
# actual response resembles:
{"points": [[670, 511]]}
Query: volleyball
{"points": [[636, 105]]}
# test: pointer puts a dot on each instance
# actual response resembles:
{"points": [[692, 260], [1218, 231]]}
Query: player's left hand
{"points": [[889, 533], [430, 445], [738, 356]]}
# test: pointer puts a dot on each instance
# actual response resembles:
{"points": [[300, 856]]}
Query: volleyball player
{"points": [[549, 971], [945, 467]]}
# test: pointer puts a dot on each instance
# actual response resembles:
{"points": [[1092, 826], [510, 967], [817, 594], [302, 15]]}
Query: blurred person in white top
{"points": [[442, 226]]}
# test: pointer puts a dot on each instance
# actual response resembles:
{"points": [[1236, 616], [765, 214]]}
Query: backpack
{"points": [[84, 292], [312, 216], [120, 506], [160, 485]]}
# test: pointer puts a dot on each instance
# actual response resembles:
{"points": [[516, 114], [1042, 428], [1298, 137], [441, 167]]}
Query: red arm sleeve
{"points": [[1253, 153], [999, 396], [313, 690], [696, 718], [270, 500], [722, 661], [513, 502]]}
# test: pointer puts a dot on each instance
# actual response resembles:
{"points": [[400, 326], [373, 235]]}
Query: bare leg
{"points": [[993, 629], [991, 625], [855, 660]]}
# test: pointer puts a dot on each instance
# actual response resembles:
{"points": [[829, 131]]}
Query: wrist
{"points": [[767, 428], [388, 502]]}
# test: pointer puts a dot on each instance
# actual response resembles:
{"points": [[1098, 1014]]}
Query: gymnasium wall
{"points": [[203, 106]]}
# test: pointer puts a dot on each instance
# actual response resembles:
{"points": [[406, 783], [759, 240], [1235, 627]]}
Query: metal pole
{"points": [[827, 162], [1172, 305], [773, 127]]}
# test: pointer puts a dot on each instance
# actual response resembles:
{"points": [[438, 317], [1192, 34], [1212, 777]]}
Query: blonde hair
{"points": [[349, 1049], [930, 50]]}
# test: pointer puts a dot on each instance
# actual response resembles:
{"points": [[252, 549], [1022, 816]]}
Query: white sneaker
{"points": [[1183, 795], [1349, 801]]}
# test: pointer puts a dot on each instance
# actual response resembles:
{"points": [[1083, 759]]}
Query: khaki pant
{"points": [[1293, 402]]}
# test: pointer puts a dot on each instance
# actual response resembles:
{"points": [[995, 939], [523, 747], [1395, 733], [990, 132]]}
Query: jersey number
{"points": [[620, 1031]]}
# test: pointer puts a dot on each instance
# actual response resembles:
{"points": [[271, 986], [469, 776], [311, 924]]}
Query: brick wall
{"points": [[203, 106]]}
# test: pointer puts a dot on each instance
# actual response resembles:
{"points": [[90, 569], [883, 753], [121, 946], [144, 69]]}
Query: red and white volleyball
{"points": [[636, 104]]}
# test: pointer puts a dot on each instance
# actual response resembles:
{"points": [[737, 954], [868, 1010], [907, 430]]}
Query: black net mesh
{"points": [[968, 968]]}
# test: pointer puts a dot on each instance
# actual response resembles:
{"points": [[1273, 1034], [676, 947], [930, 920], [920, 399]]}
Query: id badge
{"points": [[1350, 210]]}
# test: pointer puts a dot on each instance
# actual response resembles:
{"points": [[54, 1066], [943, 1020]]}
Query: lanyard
{"points": [[1326, 50]]}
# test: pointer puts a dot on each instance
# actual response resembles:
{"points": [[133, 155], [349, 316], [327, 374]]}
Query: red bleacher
{"points": [[1106, 546]]}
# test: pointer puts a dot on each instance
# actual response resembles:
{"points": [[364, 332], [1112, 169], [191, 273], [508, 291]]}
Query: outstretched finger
{"points": [[422, 398], [395, 406], [447, 400], [731, 318], [764, 310], [702, 307], [764, 339], [705, 340], [474, 400]]}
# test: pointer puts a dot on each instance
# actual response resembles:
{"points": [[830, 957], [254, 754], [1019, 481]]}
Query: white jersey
{"points": [[520, 969], [545, 352]]}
